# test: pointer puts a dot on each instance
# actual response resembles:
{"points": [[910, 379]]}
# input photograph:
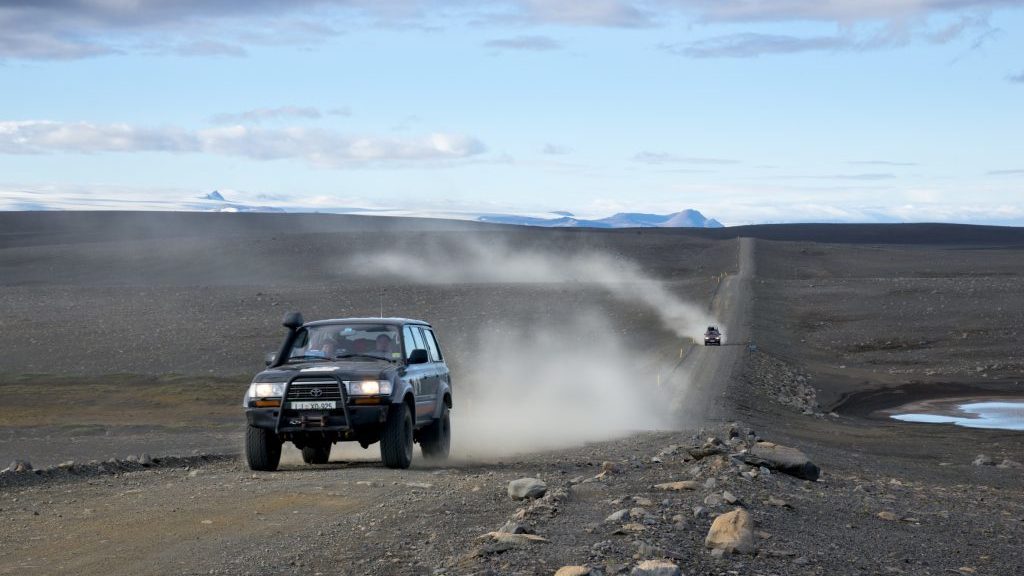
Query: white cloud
{"points": [[316, 146], [63, 29]]}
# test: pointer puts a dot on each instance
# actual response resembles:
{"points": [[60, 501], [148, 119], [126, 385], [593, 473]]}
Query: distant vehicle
{"points": [[712, 337], [365, 380]]}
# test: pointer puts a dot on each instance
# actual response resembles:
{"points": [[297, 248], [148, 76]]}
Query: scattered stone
{"points": [[1007, 463], [145, 459], [630, 528], [20, 466], [610, 467], [887, 515], [641, 501], [655, 568], [783, 459], [655, 460], [700, 512], [526, 488], [729, 498], [983, 460], [637, 512], [732, 532], [573, 571], [68, 465], [513, 539], [677, 486], [710, 483], [617, 516], [512, 527], [713, 500], [773, 501]]}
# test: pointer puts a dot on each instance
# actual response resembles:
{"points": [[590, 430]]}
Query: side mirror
{"points": [[418, 356], [293, 320], [269, 358]]}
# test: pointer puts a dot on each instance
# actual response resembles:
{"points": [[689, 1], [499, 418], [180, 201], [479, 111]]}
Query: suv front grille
{"points": [[307, 390]]}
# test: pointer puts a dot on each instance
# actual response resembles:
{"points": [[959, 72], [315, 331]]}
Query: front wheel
{"points": [[436, 440], [262, 449], [396, 442], [316, 454]]}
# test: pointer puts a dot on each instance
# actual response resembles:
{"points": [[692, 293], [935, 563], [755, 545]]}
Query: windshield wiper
{"points": [[307, 357], [357, 355]]}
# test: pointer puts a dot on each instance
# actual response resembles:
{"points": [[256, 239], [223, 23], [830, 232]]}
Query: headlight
{"points": [[266, 390], [368, 387]]}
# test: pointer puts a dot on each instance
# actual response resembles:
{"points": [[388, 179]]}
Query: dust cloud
{"points": [[553, 382]]}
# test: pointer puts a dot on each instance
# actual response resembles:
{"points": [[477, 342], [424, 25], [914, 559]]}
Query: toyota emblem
{"points": [[316, 392]]}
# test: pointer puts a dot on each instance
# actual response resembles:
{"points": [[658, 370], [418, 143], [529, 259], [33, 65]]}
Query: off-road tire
{"points": [[436, 439], [262, 449], [316, 454], [396, 442]]}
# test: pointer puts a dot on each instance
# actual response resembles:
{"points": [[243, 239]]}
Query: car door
{"points": [[419, 375], [441, 381]]}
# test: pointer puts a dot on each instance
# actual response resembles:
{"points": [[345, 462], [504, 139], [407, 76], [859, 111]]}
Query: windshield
{"points": [[330, 341]]}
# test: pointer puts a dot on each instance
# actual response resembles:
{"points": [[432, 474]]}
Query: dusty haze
{"points": [[546, 382]]}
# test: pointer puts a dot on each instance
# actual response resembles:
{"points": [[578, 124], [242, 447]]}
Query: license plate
{"points": [[318, 405]]}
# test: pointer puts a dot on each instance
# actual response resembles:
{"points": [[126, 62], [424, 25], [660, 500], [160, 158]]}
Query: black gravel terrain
{"points": [[135, 334]]}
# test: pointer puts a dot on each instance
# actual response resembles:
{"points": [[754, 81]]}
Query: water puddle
{"points": [[999, 413]]}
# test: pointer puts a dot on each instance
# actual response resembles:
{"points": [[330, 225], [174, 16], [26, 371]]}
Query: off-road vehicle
{"points": [[364, 380], [712, 337]]}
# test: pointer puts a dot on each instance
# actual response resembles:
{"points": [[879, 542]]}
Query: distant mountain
{"points": [[684, 219], [221, 204]]}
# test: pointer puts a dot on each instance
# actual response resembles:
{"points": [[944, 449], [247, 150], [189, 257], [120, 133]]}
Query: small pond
{"points": [[1003, 414]]}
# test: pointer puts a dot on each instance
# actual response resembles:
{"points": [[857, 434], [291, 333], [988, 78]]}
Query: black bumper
{"points": [[316, 420]]}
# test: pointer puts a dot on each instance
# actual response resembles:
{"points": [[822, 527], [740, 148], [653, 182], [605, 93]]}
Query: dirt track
{"points": [[355, 517]]}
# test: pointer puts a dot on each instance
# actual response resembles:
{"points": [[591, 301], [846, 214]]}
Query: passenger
{"points": [[385, 345]]}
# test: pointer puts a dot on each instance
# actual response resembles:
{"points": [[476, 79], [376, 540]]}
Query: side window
{"points": [[408, 343], [435, 352], [417, 338]]}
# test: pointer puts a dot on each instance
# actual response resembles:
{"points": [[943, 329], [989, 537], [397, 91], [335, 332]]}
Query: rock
{"points": [[641, 501], [513, 539], [132, 458], [20, 466], [732, 532], [617, 516], [713, 500], [655, 568], [610, 467], [729, 498], [773, 501], [637, 512], [887, 515], [512, 527], [145, 459], [700, 512], [783, 459], [710, 483], [983, 460], [526, 488], [630, 528], [677, 486], [67, 465], [1007, 463], [573, 571], [655, 460]]}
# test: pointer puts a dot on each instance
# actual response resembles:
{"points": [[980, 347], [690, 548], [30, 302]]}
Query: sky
{"points": [[751, 111]]}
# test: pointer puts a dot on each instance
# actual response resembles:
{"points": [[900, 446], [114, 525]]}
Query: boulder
{"points": [[656, 568], [783, 459], [526, 488], [732, 532]]}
